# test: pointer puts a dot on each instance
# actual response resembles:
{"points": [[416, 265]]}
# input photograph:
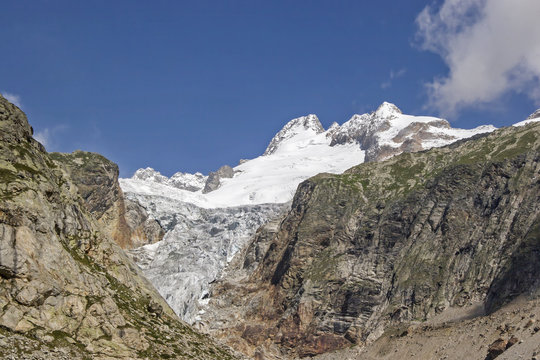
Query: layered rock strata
{"points": [[386, 243]]}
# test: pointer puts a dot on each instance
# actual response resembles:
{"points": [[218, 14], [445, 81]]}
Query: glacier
{"points": [[204, 231]]}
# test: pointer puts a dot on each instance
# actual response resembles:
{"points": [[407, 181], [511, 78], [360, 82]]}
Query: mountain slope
{"points": [[388, 242], [66, 290], [210, 220]]}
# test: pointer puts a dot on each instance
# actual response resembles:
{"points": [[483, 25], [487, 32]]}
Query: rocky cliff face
{"points": [[214, 178], [388, 242], [66, 289], [97, 181]]}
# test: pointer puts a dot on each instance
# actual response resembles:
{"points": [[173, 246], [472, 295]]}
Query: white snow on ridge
{"points": [[274, 178], [205, 231], [528, 121], [270, 178], [303, 149]]}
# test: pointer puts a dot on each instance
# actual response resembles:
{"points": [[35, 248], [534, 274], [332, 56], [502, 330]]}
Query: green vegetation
{"points": [[407, 172], [24, 167], [7, 176]]}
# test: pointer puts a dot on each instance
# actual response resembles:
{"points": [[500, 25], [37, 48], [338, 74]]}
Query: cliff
{"points": [[67, 291], [388, 243], [96, 178]]}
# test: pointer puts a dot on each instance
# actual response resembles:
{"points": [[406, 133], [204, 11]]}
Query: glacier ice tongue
{"points": [[196, 248]]}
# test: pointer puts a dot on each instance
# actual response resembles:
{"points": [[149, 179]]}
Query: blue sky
{"points": [[190, 86]]}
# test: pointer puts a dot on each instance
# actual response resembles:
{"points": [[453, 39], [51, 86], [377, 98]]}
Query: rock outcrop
{"points": [[534, 115], [97, 180], [385, 243], [214, 178], [66, 289]]}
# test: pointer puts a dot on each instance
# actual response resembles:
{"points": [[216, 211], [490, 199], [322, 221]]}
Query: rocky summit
{"points": [[67, 290]]}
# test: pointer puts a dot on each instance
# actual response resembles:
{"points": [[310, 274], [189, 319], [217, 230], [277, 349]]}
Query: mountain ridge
{"points": [[387, 243], [368, 137], [302, 149]]}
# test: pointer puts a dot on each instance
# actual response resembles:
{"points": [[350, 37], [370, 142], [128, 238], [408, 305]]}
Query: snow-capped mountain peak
{"points": [[305, 124], [180, 180], [149, 174], [205, 229], [534, 115], [387, 132], [387, 110], [301, 149]]}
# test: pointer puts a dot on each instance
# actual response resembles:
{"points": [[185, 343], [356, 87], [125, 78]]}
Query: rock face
{"points": [[65, 287], [97, 180], [388, 242], [214, 178], [534, 115]]}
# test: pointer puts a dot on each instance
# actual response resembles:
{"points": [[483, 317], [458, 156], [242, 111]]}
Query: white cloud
{"points": [[490, 46], [43, 136], [393, 75], [12, 98], [49, 136]]}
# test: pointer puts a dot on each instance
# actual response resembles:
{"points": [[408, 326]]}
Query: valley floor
{"points": [[454, 335]]}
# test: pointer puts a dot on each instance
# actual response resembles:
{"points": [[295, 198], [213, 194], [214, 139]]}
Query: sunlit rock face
{"points": [[387, 243], [67, 290]]}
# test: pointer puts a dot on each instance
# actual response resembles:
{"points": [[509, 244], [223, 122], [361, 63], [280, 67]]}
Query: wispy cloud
{"points": [[12, 98], [48, 137], [393, 75], [43, 136], [490, 47]]}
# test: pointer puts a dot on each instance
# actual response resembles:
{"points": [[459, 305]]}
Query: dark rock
{"points": [[496, 349], [512, 341], [213, 181]]}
